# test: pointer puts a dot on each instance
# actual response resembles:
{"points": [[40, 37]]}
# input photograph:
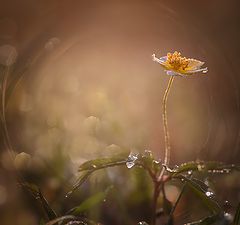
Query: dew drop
{"points": [[209, 193], [142, 223], [68, 194], [205, 71], [227, 170], [206, 181], [94, 166], [148, 153], [190, 172], [200, 167], [130, 164], [156, 162], [176, 167], [228, 217], [227, 205], [131, 160]]}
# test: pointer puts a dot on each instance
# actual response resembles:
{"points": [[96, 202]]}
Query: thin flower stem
{"points": [[165, 127], [158, 183], [165, 123]]}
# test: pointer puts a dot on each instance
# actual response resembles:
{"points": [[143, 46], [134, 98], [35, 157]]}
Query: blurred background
{"points": [[94, 91]]}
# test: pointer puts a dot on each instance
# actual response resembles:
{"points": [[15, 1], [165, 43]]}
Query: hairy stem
{"points": [[165, 123], [158, 182], [165, 127]]}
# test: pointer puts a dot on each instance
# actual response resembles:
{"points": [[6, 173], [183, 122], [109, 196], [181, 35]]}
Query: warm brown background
{"points": [[101, 66], [107, 46]]}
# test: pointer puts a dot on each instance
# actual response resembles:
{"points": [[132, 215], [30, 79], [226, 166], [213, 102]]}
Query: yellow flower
{"points": [[176, 65]]}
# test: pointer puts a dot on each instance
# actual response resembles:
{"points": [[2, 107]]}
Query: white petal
{"points": [[203, 70], [173, 73], [194, 64], [161, 61]]}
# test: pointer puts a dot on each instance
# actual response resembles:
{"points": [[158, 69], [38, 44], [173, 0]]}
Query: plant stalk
{"points": [[156, 193], [165, 128]]}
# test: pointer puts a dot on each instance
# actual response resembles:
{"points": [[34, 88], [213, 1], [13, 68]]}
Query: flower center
{"points": [[176, 61]]}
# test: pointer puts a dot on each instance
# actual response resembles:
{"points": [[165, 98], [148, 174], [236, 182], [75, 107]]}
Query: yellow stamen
{"points": [[176, 62]]}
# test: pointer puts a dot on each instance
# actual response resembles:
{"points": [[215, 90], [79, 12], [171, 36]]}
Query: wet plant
{"points": [[190, 175]]}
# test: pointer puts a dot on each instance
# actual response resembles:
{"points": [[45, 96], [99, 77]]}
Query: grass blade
{"points": [[37, 194], [90, 202]]}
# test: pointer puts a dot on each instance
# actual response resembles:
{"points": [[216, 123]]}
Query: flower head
{"points": [[175, 64]]}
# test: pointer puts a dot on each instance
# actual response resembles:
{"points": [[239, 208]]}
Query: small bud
{"points": [[22, 161]]}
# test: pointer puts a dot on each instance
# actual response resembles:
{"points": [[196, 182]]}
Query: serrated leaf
{"points": [[201, 166], [209, 202], [206, 221], [91, 166], [236, 220], [90, 202], [103, 163], [37, 194]]}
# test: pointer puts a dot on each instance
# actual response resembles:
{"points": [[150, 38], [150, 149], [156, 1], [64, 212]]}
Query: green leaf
{"points": [[91, 202], [101, 163], [236, 220], [206, 221], [42, 202], [201, 166], [91, 166], [209, 201], [143, 160]]}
